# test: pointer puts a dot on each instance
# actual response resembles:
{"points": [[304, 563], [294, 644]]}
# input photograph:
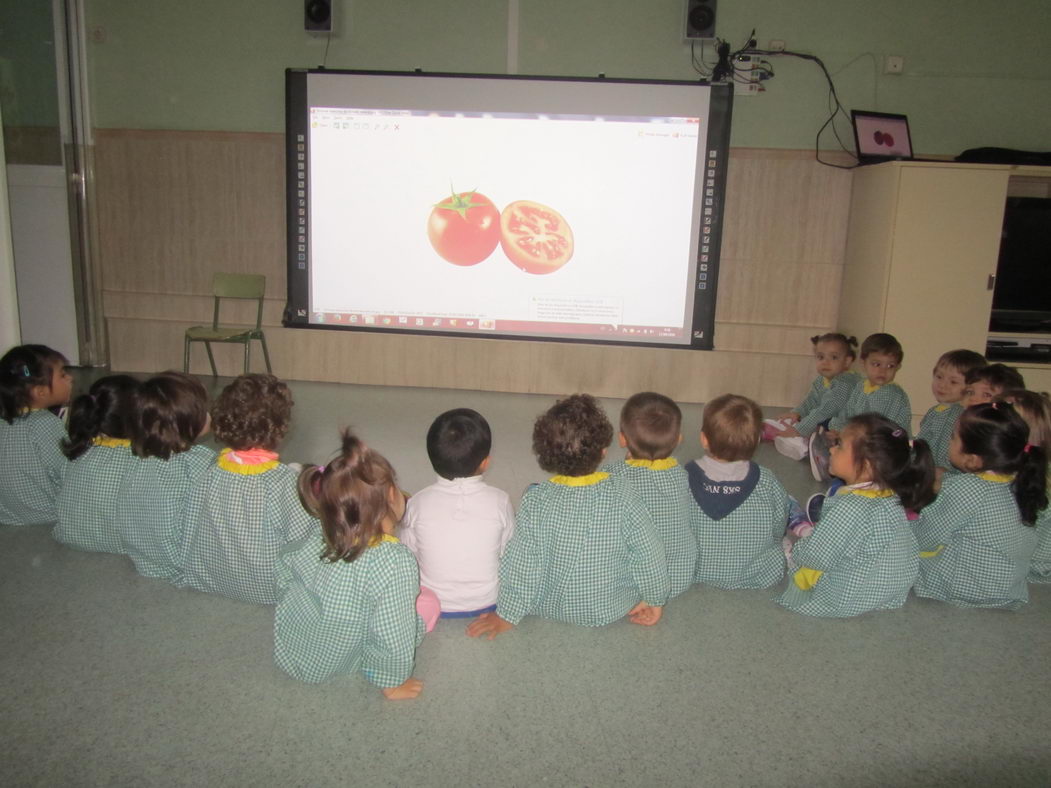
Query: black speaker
{"points": [[317, 16], [700, 19]]}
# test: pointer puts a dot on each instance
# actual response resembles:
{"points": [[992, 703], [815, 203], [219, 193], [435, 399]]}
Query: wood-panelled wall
{"points": [[174, 207]]}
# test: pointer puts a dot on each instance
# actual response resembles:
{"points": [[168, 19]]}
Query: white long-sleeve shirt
{"points": [[458, 530]]}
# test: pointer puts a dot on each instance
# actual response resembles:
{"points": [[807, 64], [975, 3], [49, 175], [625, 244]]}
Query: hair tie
{"points": [[898, 433], [316, 484], [25, 371], [994, 406], [1026, 448]]}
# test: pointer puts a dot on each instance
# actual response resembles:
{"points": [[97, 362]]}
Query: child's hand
{"points": [[788, 418], [645, 615], [406, 691], [789, 432], [488, 624]]}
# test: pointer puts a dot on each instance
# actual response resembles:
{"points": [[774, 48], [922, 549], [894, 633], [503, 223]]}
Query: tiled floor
{"points": [[110, 678]]}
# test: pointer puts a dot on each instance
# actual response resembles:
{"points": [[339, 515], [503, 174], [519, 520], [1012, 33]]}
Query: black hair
{"points": [[171, 411], [999, 437], [107, 409], [849, 343], [898, 465], [999, 376], [21, 368], [886, 344], [458, 441], [571, 437]]}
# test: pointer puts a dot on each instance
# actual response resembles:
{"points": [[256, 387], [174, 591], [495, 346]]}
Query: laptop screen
{"points": [[881, 136]]}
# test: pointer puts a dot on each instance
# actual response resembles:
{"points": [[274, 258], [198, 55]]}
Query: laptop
{"points": [[881, 136]]}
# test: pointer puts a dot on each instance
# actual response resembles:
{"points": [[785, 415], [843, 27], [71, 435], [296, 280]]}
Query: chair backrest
{"points": [[247, 286]]}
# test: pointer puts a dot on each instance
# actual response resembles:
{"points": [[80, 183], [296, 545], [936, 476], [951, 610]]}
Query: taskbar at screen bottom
{"points": [[486, 325]]}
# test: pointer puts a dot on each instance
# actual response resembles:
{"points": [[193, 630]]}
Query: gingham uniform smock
{"points": [[979, 548], [584, 551], [862, 556], [889, 400], [665, 492], [31, 467], [237, 519], [937, 428], [341, 618], [150, 508], [1040, 564], [825, 399], [87, 502], [743, 549]]}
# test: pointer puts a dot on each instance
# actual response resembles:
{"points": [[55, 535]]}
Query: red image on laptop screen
{"points": [[881, 136]]}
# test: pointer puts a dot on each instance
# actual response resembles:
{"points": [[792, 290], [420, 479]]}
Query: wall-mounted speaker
{"points": [[700, 19], [317, 16]]}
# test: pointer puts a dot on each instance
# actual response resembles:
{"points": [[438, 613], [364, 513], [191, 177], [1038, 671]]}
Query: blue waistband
{"points": [[469, 613]]}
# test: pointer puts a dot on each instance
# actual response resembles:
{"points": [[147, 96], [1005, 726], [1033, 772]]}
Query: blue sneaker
{"points": [[813, 506], [819, 455]]}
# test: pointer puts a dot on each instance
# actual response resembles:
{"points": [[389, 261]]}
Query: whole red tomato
{"points": [[464, 228], [535, 237]]}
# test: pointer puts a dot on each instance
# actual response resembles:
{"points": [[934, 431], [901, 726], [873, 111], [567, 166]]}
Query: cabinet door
{"points": [[945, 247]]}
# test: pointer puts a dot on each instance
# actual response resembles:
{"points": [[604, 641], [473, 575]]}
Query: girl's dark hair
{"points": [[21, 368], [999, 437], [849, 343], [350, 496], [253, 412], [887, 344], [571, 435], [907, 469], [171, 411], [107, 409]]}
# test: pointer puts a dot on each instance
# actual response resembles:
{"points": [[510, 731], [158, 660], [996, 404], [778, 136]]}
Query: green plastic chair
{"points": [[240, 286]]}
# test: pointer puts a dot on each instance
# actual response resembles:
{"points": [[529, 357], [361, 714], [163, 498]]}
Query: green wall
{"points": [[976, 73]]}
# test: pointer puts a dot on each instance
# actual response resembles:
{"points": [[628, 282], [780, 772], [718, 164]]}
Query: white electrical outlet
{"points": [[893, 64], [776, 45]]}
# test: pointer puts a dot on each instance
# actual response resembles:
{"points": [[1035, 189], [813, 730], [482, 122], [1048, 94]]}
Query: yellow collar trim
{"points": [[866, 492], [943, 407], [385, 538], [826, 382], [579, 481], [227, 464], [654, 465], [870, 386], [111, 443], [998, 478]]}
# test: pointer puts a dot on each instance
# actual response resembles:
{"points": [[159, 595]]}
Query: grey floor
{"points": [[107, 678]]}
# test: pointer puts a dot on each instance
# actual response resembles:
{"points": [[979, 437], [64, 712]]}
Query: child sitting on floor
{"points": [[99, 450], [988, 383], [349, 590], [585, 550], [650, 430], [1035, 410], [949, 381], [245, 507], [459, 526], [739, 509], [978, 537], [33, 378], [862, 554]]}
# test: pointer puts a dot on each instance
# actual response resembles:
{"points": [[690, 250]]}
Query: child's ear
{"points": [[678, 442], [622, 440], [482, 467], [972, 463]]}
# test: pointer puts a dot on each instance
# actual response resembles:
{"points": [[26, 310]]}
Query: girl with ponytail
{"points": [[862, 555], [349, 591], [1035, 408], [979, 536], [99, 450]]}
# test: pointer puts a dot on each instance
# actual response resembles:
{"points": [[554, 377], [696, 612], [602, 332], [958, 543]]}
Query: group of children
{"points": [[359, 571]]}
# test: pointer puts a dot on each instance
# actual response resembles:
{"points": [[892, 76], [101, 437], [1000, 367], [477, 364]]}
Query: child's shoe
{"points": [[819, 455], [771, 429], [795, 448], [813, 506]]}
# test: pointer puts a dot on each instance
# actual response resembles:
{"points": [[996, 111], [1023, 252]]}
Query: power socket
{"points": [[893, 64], [747, 76]]}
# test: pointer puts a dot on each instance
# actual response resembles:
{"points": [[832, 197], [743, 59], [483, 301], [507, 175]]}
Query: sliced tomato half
{"points": [[535, 237]]}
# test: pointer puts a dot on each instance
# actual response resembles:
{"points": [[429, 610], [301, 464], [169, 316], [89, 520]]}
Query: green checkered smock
{"points": [[865, 552], [937, 428], [87, 502], [982, 546], [743, 549], [340, 618], [233, 528], [889, 400], [665, 491], [825, 399], [1040, 564], [584, 551], [31, 468], [150, 508]]}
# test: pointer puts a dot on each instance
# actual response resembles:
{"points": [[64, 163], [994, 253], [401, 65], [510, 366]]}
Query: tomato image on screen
{"points": [[535, 237], [464, 228]]}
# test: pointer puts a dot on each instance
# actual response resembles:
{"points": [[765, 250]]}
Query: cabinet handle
{"points": [[991, 283]]}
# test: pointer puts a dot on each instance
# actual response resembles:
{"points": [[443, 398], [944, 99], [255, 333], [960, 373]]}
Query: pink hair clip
{"points": [[1026, 448], [898, 433]]}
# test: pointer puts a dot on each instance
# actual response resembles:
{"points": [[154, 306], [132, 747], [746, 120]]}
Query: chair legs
{"points": [[266, 354], [186, 355], [211, 359]]}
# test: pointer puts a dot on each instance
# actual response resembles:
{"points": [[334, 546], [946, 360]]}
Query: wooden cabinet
{"points": [[921, 255]]}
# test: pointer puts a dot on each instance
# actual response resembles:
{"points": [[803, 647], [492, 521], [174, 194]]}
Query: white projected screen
{"points": [[551, 209]]}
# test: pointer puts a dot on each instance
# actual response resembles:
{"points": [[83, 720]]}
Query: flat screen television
{"points": [[1022, 295], [580, 210]]}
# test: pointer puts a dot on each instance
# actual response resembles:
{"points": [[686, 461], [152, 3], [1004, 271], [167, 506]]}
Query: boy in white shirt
{"points": [[458, 527]]}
